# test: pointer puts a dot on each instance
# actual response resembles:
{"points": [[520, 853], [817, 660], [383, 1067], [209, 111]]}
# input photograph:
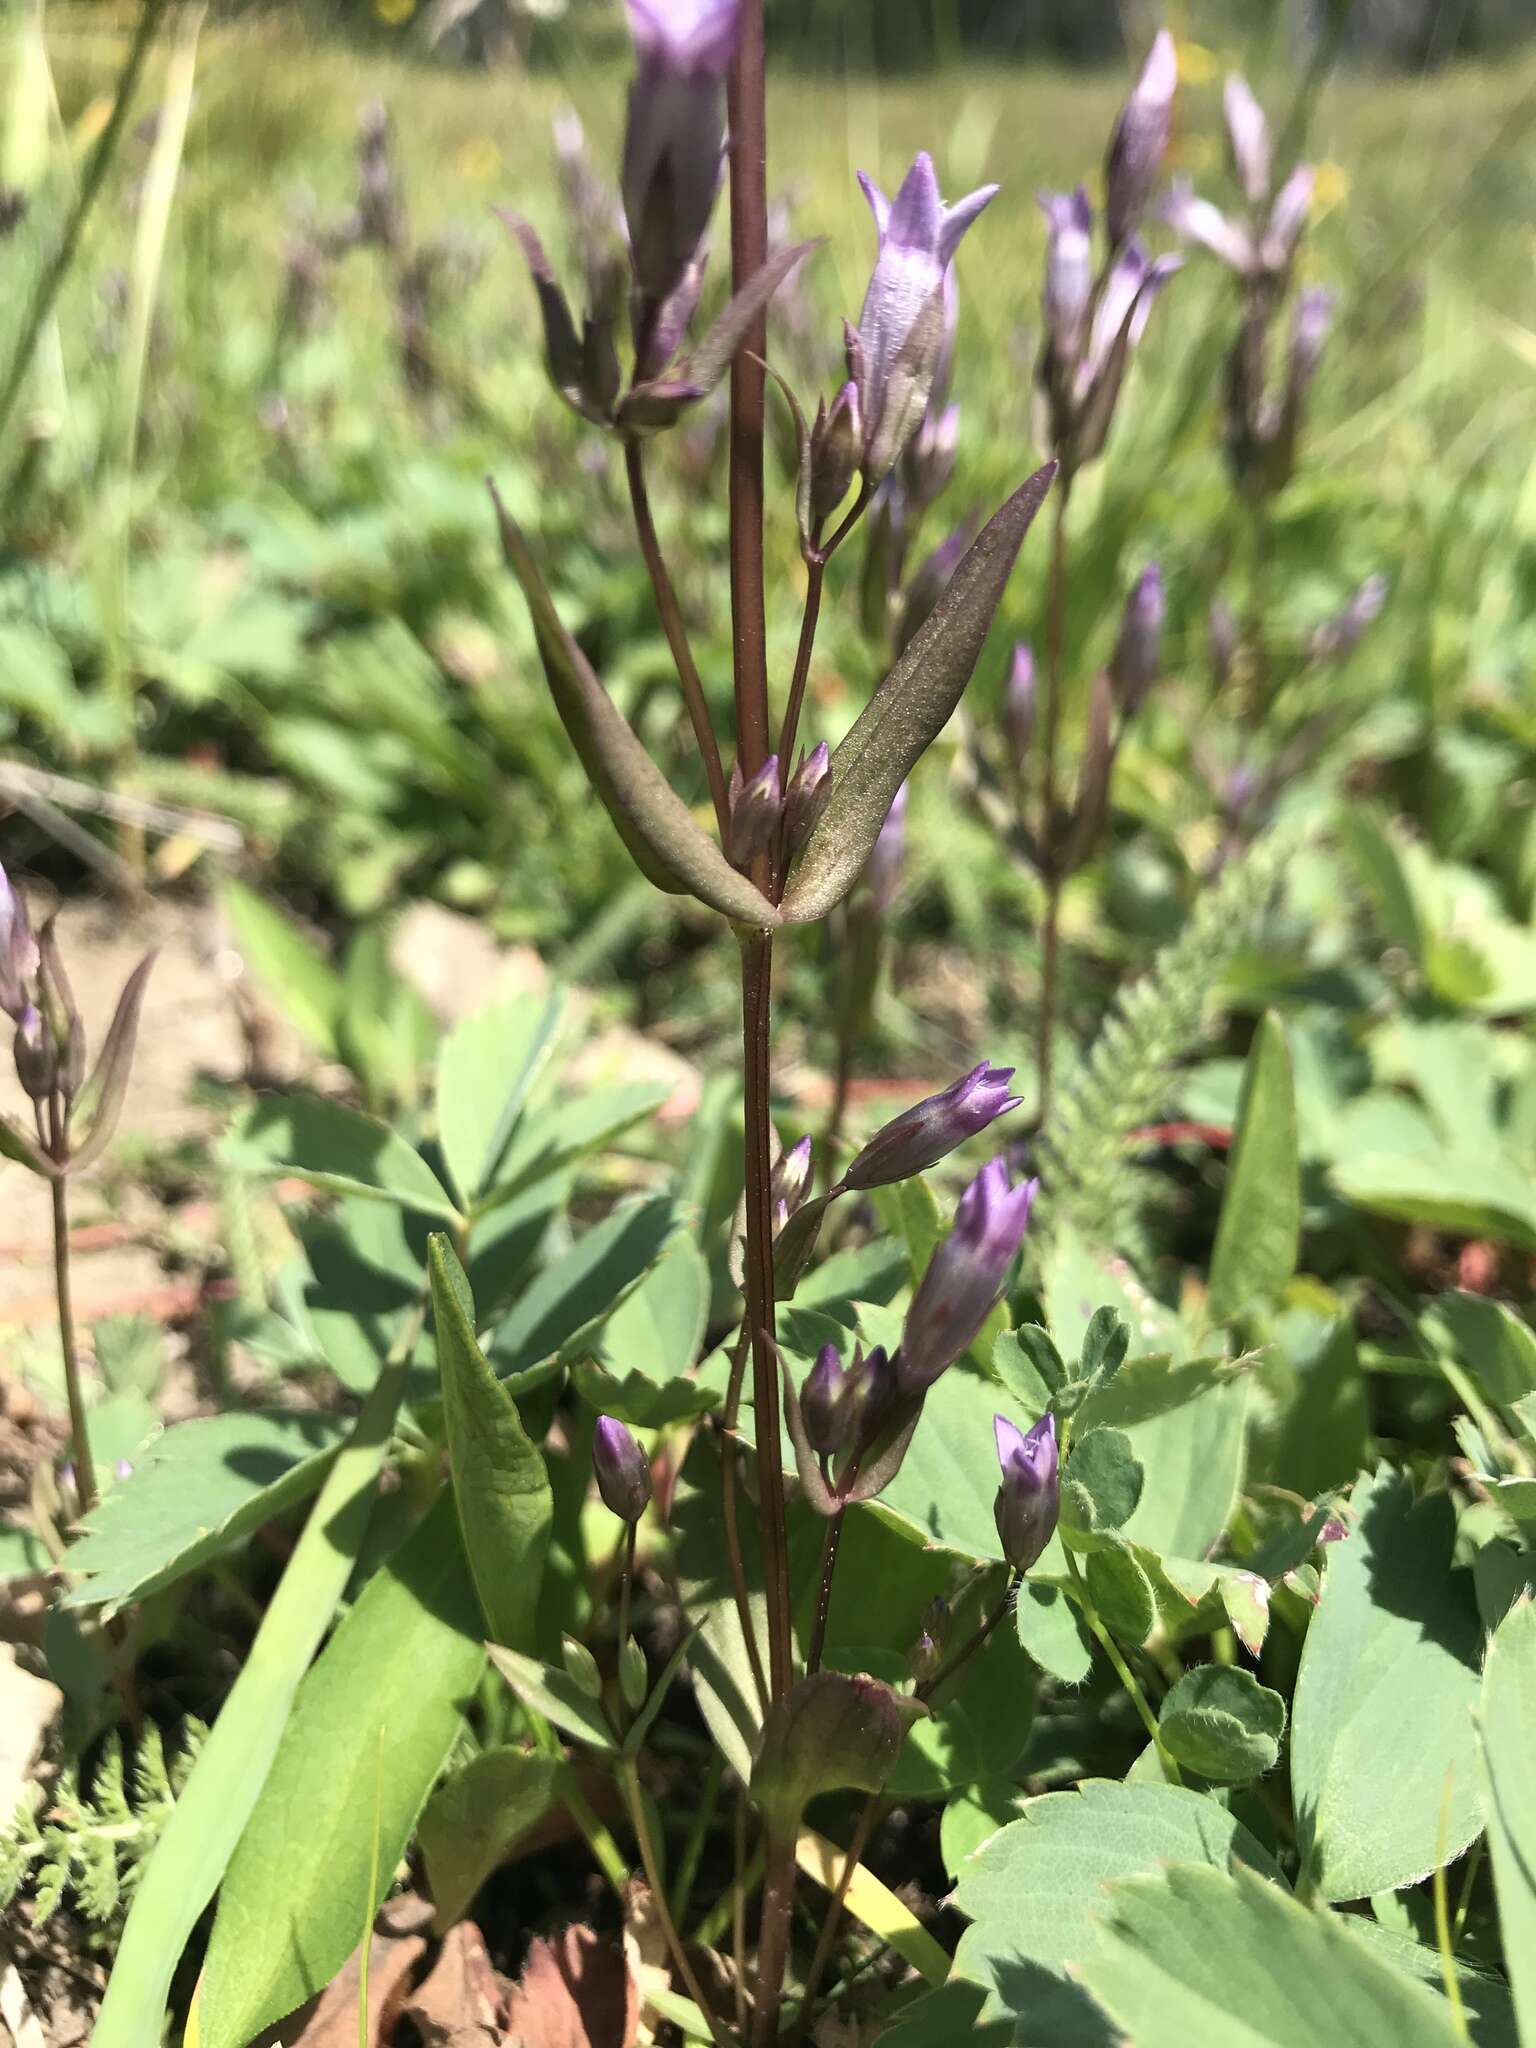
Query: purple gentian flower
{"points": [[1140, 140], [1134, 666], [19, 958], [882, 871], [791, 1181], [1019, 704], [623, 1471], [823, 1403], [1029, 1499], [1068, 268], [1247, 139], [923, 1134], [965, 1276], [675, 136], [901, 331]]}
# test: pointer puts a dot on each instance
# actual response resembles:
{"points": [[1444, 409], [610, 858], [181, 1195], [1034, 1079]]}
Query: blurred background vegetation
{"points": [[247, 567]]}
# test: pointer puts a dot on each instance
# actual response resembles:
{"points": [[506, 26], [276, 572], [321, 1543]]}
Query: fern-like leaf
{"points": [[1121, 1081]]}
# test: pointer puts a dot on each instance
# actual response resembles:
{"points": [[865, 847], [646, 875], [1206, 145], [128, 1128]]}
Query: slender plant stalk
{"points": [[779, 1874], [830, 1542], [748, 159], [815, 580], [863, 1828], [674, 1941], [85, 1464], [730, 1502], [1050, 794], [698, 1831], [50, 281], [1123, 1672], [972, 1644], [672, 624], [626, 1583]]}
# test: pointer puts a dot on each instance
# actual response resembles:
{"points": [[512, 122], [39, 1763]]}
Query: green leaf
{"points": [[1259, 1231], [499, 1483], [231, 1769], [973, 1817], [1489, 2009], [196, 1492], [1194, 1958], [1219, 1721], [1121, 1592], [909, 710], [1489, 1338], [293, 972], [944, 1492], [1507, 1731], [1105, 1343], [1052, 1632], [575, 1291], [1382, 1713], [100, 1102], [650, 817], [1321, 1442], [372, 1727], [550, 1690], [549, 1140], [1101, 1486], [1472, 1194], [487, 1066], [332, 1147], [642, 1356], [1034, 1892], [910, 1211], [1029, 1365], [1369, 844], [477, 1817]]}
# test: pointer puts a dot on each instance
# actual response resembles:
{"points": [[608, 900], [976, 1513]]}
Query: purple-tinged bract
{"points": [[757, 810], [924, 1134], [806, 798], [1029, 1499], [965, 1276]]}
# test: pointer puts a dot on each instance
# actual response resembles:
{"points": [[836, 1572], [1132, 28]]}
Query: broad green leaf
{"points": [[226, 1781], [1370, 845], [910, 1211], [333, 1147], [1100, 1487], [575, 1291], [1507, 1730], [1035, 1890], [1490, 1339], [940, 1752], [941, 2018], [639, 1367], [292, 970], [718, 1656], [499, 1483], [1153, 1385], [1321, 1442], [550, 1139], [1472, 1194], [197, 1491], [476, 1818], [973, 1817], [650, 817], [1489, 2008], [944, 1492], [1051, 1630], [1121, 1592], [1260, 1225], [550, 1690], [1220, 1722], [373, 1725], [909, 710], [1195, 1958], [487, 1066], [1382, 1713]]}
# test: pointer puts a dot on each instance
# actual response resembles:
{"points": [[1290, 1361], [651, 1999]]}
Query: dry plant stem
{"points": [[51, 277], [1055, 634], [673, 626], [678, 1953], [830, 1541], [863, 1828]]}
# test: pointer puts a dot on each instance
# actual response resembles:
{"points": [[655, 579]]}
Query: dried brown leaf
{"points": [[576, 1991]]}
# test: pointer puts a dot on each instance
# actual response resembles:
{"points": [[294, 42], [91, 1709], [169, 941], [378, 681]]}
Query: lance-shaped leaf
{"points": [[565, 357], [101, 1100], [651, 818], [15, 1144], [708, 363], [909, 710]]}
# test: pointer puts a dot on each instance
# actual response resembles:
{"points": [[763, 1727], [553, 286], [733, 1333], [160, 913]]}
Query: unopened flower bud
{"points": [[929, 462], [806, 799], [1287, 218], [1247, 139], [965, 1277], [823, 1403], [18, 951], [1029, 1499], [1137, 658], [634, 1678], [829, 1733], [1068, 269], [36, 1066], [925, 1133], [1019, 704], [1140, 140], [675, 133], [623, 1472], [926, 1656], [791, 1181], [756, 814], [1341, 634], [581, 1667], [837, 451], [882, 871], [901, 331], [1309, 331]]}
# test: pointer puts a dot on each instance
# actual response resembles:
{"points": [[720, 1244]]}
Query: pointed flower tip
{"points": [[686, 36]]}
